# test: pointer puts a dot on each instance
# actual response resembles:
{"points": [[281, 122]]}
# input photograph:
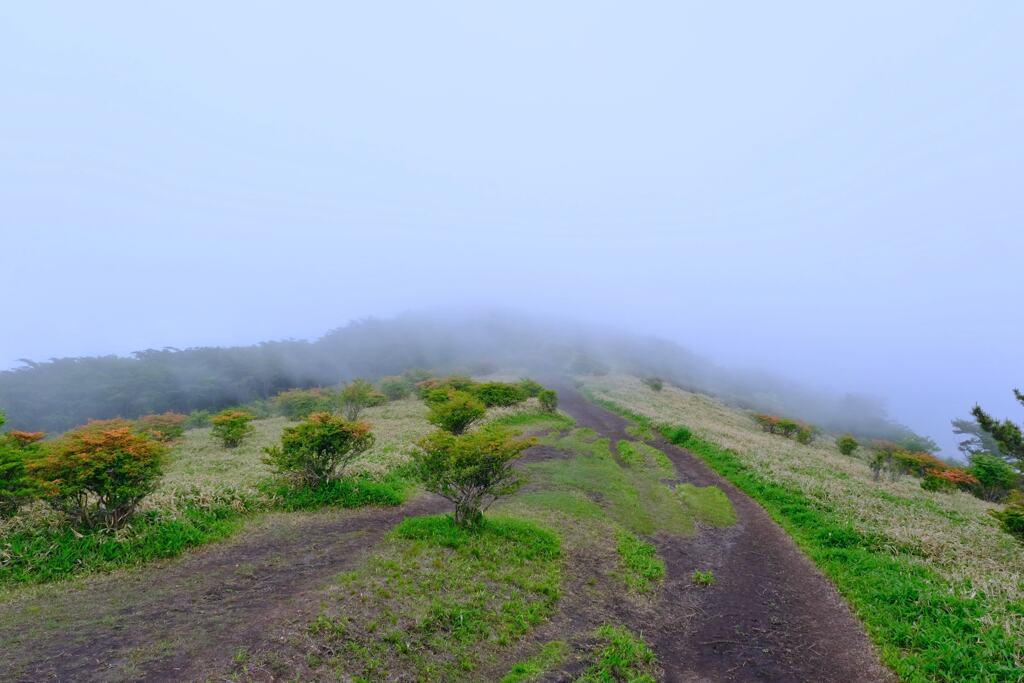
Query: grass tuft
{"points": [[642, 568], [550, 656], [623, 658]]}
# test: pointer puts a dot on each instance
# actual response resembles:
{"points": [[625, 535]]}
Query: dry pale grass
{"points": [[198, 465], [950, 531]]}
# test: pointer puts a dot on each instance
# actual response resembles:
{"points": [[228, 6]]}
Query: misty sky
{"points": [[833, 194]]}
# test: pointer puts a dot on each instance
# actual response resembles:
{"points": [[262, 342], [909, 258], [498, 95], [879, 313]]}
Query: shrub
{"points": [[654, 383], [471, 470], [499, 394], [318, 450], [394, 388], [416, 375], [1011, 517], [949, 479], [677, 435], [356, 395], [98, 473], [847, 444], [164, 428], [773, 424], [231, 426], [548, 399], [995, 477], [197, 419], [531, 388], [297, 404], [16, 486], [457, 412], [804, 434]]}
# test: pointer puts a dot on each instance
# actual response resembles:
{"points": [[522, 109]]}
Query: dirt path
{"points": [[771, 615], [180, 619]]}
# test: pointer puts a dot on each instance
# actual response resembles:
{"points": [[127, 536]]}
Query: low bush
{"points": [[1011, 517], [231, 426], [548, 399], [677, 435], [16, 486], [97, 474], [165, 427], [773, 424], [847, 444], [471, 470], [297, 404], [357, 395], [197, 419], [394, 388], [948, 479], [994, 477], [531, 388], [654, 383], [457, 412], [502, 394], [317, 450]]}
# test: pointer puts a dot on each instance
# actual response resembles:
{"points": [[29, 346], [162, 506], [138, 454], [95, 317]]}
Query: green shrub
{"points": [[471, 470], [164, 428], [350, 492], [499, 394], [531, 388], [98, 473], [231, 426], [297, 404], [1011, 517], [197, 419], [847, 444], [457, 412], [995, 476], [357, 395], [654, 383], [548, 399], [394, 388], [677, 435], [317, 451], [16, 486]]}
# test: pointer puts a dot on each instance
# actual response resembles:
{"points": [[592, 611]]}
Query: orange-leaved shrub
{"points": [[231, 426], [98, 473], [318, 449], [163, 427]]}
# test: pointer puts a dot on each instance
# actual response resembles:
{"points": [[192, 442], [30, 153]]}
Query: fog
{"points": [[827, 195]]}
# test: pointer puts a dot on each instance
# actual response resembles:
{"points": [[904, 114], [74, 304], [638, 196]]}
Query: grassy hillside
{"points": [[939, 586]]}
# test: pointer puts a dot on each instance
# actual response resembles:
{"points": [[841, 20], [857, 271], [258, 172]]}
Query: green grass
{"points": [[633, 496], [43, 553], [437, 601], [624, 657], [46, 554], [709, 504], [703, 578], [926, 628], [642, 568], [550, 656], [535, 420]]}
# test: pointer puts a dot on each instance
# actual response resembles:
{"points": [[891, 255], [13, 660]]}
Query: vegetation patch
{"points": [[709, 504], [352, 492], [438, 600], [642, 568], [623, 657], [550, 656]]}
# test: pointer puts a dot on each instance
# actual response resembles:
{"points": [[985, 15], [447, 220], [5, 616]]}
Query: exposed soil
{"points": [[186, 617], [770, 616]]}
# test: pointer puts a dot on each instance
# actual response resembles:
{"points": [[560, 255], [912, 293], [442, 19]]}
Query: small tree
{"points": [[548, 399], [995, 477], [471, 470], [847, 444], [457, 413], [16, 486], [357, 395], [1011, 518], [98, 473], [1006, 433], [318, 450], [164, 428], [231, 426]]}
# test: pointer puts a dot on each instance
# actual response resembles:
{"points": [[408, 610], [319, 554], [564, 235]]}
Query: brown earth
{"points": [[771, 616]]}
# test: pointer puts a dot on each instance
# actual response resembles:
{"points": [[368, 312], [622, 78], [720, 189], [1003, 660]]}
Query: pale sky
{"points": [[835, 194]]}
